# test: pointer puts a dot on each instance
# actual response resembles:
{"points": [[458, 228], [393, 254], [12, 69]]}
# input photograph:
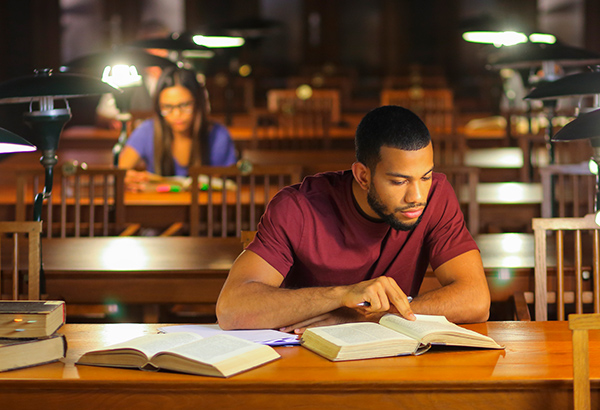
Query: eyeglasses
{"points": [[184, 108]]}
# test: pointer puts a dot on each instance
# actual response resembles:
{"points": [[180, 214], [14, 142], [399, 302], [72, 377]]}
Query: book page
{"points": [[425, 325], [213, 349], [357, 333], [152, 344]]}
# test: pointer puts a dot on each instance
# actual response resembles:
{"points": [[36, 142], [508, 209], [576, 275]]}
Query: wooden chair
{"points": [[343, 83], [435, 106], [230, 94], [232, 199], [464, 180], [449, 149], [16, 231], [569, 287], [324, 100], [300, 129], [580, 325], [414, 79], [91, 201], [569, 190]]}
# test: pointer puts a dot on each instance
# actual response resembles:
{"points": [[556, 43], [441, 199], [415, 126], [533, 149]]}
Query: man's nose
{"points": [[414, 193]]}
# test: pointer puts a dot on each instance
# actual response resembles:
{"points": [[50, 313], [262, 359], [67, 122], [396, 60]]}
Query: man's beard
{"points": [[374, 201]]}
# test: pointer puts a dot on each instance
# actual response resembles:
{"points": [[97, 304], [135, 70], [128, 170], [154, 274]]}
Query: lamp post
{"points": [[47, 121]]}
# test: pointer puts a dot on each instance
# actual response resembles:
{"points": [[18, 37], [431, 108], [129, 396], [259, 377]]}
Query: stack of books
{"points": [[28, 333]]}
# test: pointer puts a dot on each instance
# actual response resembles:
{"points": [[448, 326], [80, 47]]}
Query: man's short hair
{"points": [[389, 126]]}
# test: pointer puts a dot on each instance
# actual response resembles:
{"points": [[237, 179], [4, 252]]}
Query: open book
{"points": [[219, 355], [393, 336]]}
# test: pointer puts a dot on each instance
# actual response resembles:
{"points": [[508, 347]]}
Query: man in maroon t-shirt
{"points": [[354, 245]]}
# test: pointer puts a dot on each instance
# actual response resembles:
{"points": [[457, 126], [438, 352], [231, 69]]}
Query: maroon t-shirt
{"points": [[314, 235]]}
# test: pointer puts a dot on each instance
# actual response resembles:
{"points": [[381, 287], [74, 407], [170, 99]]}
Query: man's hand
{"points": [[382, 294]]}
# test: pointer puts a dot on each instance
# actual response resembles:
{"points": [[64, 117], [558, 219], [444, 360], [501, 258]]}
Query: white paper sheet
{"points": [[263, 336]]}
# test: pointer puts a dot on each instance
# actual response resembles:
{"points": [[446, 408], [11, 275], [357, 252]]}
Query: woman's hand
{"points": [[136, 181]]}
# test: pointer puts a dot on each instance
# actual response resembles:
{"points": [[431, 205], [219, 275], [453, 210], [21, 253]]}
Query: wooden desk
{"points": [[534, 372], [138, 270], [171, 270]]}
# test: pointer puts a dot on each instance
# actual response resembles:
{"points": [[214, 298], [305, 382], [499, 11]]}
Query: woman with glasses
{"points": [[180, 134]]}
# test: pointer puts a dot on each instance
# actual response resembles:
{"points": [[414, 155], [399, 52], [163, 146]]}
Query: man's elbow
{"points": [[227, 317], [479, 310]]}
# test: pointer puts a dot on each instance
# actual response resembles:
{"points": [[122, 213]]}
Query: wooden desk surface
{"points": [[534, 372]]}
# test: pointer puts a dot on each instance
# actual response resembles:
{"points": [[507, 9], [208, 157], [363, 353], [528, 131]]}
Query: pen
{"points": [[367, 304]]}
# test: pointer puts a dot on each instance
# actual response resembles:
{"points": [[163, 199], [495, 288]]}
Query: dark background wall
{"points": [[371, 38]]}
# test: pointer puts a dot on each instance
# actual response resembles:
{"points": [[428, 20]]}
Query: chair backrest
{"points": [[311, 161], [230, 94], [11, 234], [435, 106], [89, 202], [227, 200], [582, 233], [569, 190], [301, 129], [449, 149], [464, 180], [343, 83], [580, 324], [325, 100], [415, 79]]}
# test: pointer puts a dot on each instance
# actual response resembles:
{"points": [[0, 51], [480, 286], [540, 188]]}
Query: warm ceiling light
{"points": [[218, 41], [497, 38], [542, 38]]}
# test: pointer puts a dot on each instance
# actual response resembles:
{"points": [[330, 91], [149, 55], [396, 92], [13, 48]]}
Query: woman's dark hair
{"points": [[389, 126], [163, 135]]}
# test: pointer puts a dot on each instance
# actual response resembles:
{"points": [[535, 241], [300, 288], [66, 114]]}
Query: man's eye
{"points": [[427, 178], [398, 182]]}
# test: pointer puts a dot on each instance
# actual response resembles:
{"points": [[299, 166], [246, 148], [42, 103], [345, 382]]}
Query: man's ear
{"points": [[362, 175]]}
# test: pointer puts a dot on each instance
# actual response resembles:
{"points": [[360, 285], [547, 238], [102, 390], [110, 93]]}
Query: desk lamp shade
{"points": [[180, 42], [585, 126], [93, 64], [569, 86], [528, 55], [44, 84], [10, 143], [250, 28]]}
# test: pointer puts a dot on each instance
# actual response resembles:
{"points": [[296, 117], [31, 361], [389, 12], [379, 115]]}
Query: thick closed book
{"points": [[219, 355], [392, 336], [26, 319], [19, 353]]}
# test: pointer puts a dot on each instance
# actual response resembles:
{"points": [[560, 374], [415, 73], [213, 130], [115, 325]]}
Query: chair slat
{"points": [[582, 230], [240, 193]]}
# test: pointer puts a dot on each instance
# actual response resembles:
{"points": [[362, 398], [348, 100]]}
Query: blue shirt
{"points": [[220, 145]]}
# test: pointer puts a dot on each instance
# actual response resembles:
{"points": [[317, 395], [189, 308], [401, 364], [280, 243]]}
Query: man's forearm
{"points": [[256, 305], [460, 304]]}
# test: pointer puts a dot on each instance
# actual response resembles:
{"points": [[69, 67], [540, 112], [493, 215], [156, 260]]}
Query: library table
{"points": [[138, 270], [533, 372], [171, 270]]}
